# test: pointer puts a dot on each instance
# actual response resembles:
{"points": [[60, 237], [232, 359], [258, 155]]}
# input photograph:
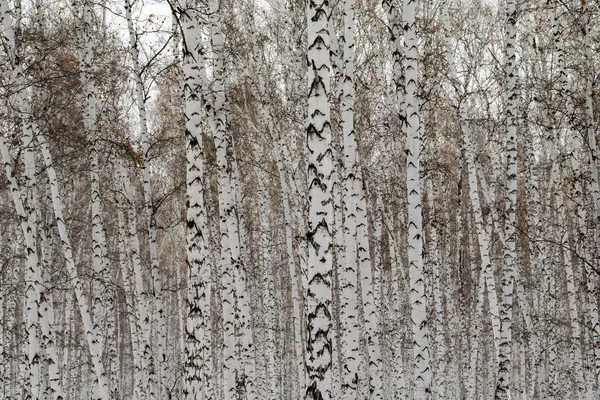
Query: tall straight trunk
{"points": [[339, 262], [503, 386], [141, 309], [453, 220], [351, 377], [33, 272], [233, 374], [482, 237], [399, 380], [369, 280], [124, 250], [86, 58], [66, 337], [53, 388], [418, 298], [33, 376], [356, 194], [198, 380], [239, 234], [320, 200], [433, 245], [157, 283], [394, 17], [476, 330], [533, 221]]}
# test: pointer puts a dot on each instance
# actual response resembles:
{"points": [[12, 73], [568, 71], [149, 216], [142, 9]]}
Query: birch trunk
{"points": [[157, 295], [86, 59], [503, 386], [198, 383], [32, 382], [141, 309], [124, 249], [233, 374], [351, 377], [33, 376], [53, 389], [320, 200], [418, 299]]}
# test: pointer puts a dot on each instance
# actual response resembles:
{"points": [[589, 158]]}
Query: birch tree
{"points": [[198, 338], [320, 216], [418, 299], [505, 350], [148, 202]]}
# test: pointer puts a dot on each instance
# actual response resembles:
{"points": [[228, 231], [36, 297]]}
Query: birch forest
{"points": [[299, 199]]}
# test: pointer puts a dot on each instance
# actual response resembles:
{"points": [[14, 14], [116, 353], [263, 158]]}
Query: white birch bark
{"points": [[320, 215], [533, 220], [503, 386], [53, 388], [348, 264], [439, 372], [32, 382], [239, 235], [475, 337], [33, 272], [394, 17], [369, 277], [371, 311], [482, 237], [141, 309], [451, 307], [338, 327], [233, 374], [86, 58], [418, 299], [370, 280], [198, 381], [157, 283], [66, 336], [126, 275], [33, 377], [378, 276], [400, 383]]}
